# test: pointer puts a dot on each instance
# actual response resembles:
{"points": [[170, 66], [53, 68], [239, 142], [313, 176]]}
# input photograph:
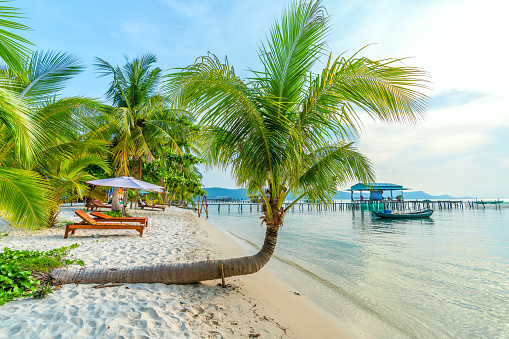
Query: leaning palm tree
{"points": [[284, 131]]}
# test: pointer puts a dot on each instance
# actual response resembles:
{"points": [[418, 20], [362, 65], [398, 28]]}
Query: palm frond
{"points": [[13, 48], [294, 44], [327, 168], [19, 128], [68, 178], [383, 89], [48, 73], [26, 198], [68, 117], [61, 152]]}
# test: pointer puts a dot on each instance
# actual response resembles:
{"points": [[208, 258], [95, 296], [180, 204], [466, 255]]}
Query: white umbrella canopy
{"points": [[126, 182]]}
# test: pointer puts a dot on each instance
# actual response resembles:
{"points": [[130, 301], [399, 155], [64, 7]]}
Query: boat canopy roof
{"points": [[377, 187]]}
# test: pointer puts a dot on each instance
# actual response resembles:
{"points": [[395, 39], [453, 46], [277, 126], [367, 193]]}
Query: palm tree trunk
{"points": [[115, 202], [179, 273], [52, 215], [172, 196], [164, 193], [139, 169]]}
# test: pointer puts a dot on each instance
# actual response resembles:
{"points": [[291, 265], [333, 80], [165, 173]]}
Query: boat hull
{"points": [[414, 215]]}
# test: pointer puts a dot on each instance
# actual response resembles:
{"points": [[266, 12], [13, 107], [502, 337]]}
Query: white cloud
{"points": [[444, 152], [461, 43]]}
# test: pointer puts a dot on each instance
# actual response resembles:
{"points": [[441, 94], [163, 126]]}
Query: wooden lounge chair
{"points": [[101, 217], [145, 205], [97, 205], [91, 223]]}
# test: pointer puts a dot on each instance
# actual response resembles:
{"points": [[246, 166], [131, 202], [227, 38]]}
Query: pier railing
{"points": [[371, 205]]}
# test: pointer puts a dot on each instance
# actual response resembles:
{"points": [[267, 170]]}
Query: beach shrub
{"points": [[17, 268], [43, 291], [15, 282], [21, 256], [39, 264], [116, 214]]}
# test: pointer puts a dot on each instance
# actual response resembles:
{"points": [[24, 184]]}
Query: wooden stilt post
{"points": [[223, 283]]}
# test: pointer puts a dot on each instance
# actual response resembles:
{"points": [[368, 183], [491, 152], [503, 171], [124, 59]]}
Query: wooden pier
{"points": [[241, 206]]}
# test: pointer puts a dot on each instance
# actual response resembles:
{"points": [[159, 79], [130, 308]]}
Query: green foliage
{"points": [[116, 214], [151, 198], [14, 47], [131, 195], [26, 197], [43, 291], [98, 172], [16, 267], [58, 143], [60, 254], [15, 282], [180, 174], [39, 264]]}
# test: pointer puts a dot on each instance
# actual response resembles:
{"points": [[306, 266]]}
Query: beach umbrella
{"points": [[126, 182]]}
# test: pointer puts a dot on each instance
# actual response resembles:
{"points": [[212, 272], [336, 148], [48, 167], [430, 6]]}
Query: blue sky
{"points": [[461, 148]]}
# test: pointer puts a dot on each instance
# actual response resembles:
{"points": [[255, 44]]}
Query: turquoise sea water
{"points": [[445, 277]]}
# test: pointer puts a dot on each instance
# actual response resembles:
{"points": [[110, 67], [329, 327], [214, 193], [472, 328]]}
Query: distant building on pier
{"points": [[376, 190], [223, 199]]}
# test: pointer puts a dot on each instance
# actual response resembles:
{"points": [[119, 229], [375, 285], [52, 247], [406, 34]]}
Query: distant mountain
{"points": [[240, 193], [424, 195]]}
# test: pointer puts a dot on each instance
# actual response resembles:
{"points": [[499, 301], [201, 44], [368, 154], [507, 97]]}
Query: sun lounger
{"points": [[90, 223], [145, 205], [101, 217], [97, 205]]}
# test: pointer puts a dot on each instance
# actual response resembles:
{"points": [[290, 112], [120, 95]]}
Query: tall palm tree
{"points": [[283, 131], [139, 123]]}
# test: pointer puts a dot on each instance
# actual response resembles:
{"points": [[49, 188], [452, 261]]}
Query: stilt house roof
{"points": [[377, 187]]}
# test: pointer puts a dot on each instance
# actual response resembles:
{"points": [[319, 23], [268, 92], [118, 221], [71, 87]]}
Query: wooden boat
{"points": [[402, 215]]}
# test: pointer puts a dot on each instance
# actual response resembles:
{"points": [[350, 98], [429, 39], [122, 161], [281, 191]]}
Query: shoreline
{"points": [[257, 305], [351, 318], [307, 319]]}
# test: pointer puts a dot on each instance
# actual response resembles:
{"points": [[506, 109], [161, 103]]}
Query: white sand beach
{"points": [[258, 305]]}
